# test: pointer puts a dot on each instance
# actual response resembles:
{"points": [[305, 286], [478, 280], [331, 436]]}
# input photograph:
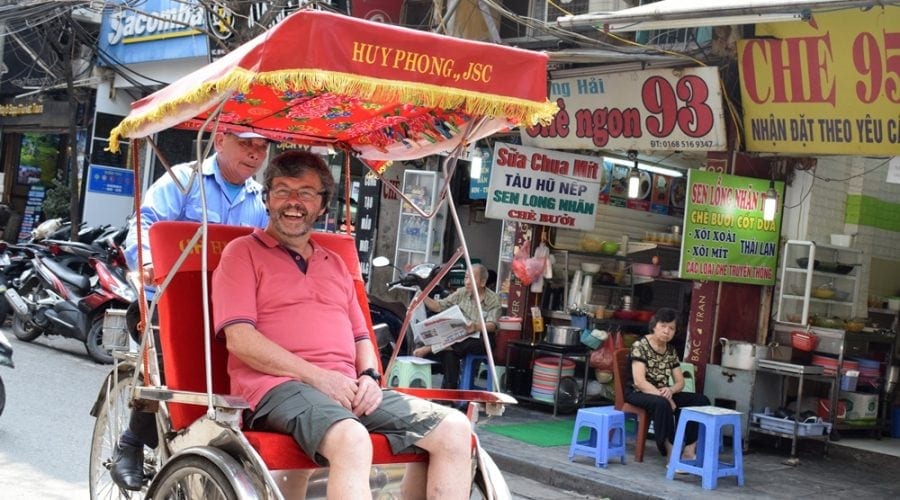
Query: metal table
{"points": [[576, 353]]}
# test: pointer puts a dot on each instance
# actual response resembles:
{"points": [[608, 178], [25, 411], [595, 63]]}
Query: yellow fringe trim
{"points": [[520, 111]]}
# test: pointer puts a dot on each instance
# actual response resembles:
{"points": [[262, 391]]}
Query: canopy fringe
{"points": [[519, 111]]}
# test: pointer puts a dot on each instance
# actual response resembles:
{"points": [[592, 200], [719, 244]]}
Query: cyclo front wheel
{"points": [[112, 418], [191, 477]]}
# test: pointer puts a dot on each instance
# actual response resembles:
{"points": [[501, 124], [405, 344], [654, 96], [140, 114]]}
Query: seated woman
{"points": [[653, 360]]}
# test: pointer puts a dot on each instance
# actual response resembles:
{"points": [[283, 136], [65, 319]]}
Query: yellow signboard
{"points": [[828, 86]]}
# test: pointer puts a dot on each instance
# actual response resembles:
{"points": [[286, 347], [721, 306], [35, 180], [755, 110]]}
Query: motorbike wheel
{"points": [[94, 343], [5, 309], [24, 329], [112, 418], [192, 476], [2, 396]]}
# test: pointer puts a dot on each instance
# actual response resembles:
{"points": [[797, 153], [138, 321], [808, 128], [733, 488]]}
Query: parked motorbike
{"points": [[53, 299], [388, 316], [16, 259], [5, 360]]}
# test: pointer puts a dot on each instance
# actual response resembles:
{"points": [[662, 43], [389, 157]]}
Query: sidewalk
{"points": [[843, 473]]}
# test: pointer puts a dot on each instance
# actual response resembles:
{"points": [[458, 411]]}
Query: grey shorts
{"points": [[306, 413]]}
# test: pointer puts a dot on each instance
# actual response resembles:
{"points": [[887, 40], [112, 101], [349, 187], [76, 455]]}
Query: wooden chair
{"points": [[620, 367]]}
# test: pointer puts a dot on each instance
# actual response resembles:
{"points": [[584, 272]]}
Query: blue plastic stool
{"points": [[607, 438], [707, 465], [406, 373], [471, 364]]}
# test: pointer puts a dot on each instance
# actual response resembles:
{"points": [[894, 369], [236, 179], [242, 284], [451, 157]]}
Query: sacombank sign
{"points": [[157, 30]]}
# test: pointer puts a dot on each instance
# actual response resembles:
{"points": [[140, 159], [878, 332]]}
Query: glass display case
{"points": [[419, 239], [818, 280]]}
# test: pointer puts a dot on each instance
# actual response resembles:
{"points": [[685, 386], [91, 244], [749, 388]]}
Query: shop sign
{"points": [[367, 222], [654, 110], [725, 237], [701, 323], [831, 86], [157, 30], [544, 187], [21, 109]]}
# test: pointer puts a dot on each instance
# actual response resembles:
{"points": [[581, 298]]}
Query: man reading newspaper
{"points": [[457, 330]]}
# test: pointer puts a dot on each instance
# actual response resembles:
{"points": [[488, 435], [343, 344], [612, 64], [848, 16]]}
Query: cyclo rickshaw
{"points": [[377, 92]]}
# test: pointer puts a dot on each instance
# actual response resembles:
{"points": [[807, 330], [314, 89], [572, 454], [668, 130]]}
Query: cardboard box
{"points": [[860, 406]]}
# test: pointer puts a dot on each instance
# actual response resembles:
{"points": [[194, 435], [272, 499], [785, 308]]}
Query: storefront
{"points": [[34, 136]]}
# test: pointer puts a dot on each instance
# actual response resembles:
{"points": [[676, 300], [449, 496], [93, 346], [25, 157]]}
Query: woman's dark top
{"points": [[659, 366]]}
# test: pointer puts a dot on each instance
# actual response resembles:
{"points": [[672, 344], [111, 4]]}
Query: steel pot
{"points": [[563, 335], [741, 355]]}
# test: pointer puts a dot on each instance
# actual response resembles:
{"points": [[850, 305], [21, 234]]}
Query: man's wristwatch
{"points": [[371, 372]]}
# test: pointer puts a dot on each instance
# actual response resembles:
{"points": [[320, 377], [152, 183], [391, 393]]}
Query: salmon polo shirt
{"points": [[313, 314]]}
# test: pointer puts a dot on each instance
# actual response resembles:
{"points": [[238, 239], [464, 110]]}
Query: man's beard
{"points": [[298, 224]]}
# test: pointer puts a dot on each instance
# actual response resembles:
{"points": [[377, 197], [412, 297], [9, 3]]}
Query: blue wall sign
{"points": [[109, 180]]}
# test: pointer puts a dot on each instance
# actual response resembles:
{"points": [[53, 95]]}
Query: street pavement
{"points": [[841, 473], [45, 437]]}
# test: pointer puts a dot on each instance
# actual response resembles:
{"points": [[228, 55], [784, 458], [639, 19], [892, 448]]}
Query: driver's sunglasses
{"points": [[303, 194]]}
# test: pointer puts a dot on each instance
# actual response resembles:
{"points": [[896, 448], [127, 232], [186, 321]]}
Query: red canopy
{"points": [[386, 92]]}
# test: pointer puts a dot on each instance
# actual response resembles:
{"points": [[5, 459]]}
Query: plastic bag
{"points": [[526, 268], [602, 358], [542, 255]]}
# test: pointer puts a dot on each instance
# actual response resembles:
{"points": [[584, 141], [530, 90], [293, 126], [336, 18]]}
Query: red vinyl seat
{"points": [[182, 333]]}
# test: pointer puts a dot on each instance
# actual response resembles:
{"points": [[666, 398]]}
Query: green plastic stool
{"points": [[409, 374]]}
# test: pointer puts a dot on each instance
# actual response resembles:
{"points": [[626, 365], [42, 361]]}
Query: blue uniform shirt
{"points": [[164, 201]]}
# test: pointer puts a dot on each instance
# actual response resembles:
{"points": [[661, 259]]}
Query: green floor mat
{"points": [[550, 433], [544, 434]]}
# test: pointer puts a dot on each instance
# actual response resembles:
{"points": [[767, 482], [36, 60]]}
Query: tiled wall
{"points": [[835, 179]]}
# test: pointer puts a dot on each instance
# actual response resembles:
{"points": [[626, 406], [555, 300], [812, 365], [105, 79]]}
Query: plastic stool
{"points": [[711, 420], [471, 364], [407, 373], [607, 439]]}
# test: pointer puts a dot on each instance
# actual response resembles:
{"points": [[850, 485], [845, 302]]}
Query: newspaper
{"points": [[442, 329]]}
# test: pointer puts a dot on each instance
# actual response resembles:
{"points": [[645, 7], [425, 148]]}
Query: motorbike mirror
{"points": [[423, 270], [381, 261]]}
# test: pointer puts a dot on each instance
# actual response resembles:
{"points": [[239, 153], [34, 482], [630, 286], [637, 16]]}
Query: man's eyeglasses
{"points": [[303, 194]]}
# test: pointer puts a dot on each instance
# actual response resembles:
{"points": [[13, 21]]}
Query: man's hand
{"points": [[338, 387], [368, 396], [147, 274]]}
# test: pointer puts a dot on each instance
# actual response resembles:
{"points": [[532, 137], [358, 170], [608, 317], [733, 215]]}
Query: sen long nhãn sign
{"points": [[725, 237], [830, 86], [544, 187], [653, 110]]}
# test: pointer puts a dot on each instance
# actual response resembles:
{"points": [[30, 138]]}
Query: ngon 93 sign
{"points": [[655, 110]]}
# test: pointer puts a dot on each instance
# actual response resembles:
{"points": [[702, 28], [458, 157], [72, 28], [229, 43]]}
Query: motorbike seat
{"points": [[81, 282]]}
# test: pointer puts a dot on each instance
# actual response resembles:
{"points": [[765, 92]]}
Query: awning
{"points": [[674, 14], [384, 92]]}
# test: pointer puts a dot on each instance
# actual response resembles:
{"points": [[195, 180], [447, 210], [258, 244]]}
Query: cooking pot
{"points": [[741, 355], [563, 335]]}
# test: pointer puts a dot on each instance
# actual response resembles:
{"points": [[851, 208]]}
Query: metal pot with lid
{"points": [[563, 335], [741, 355]]}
